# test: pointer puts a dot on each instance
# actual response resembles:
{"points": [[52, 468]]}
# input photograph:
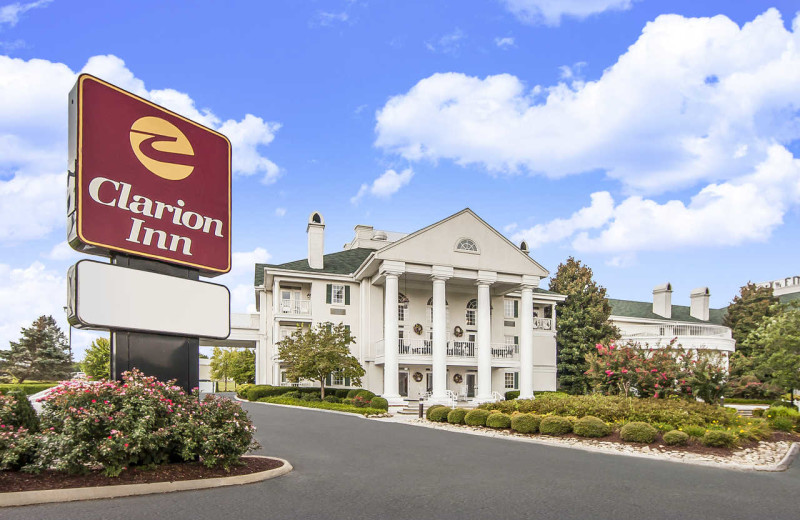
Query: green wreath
{"points": [[418, 329], [457, 378], [417, 376], [458, 331]]}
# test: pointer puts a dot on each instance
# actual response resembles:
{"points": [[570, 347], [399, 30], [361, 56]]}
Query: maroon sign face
{"points": [[148, 182]]}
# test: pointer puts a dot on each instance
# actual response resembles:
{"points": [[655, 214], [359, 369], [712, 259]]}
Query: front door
{"points": [[403, 383], [470, 385]]}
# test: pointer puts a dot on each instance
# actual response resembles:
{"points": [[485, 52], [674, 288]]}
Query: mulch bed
{"points": [[11, 481]]}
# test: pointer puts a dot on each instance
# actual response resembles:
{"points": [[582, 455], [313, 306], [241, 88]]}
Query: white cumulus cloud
{"points": [[505, 42], [592, 217], [550, 12], [9, 14], [386, 185], [694, 104]]}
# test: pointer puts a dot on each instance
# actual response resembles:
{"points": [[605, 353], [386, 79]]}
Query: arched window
{"points": [[430, 310], [402, 305], [472, 307], [467, 244]]}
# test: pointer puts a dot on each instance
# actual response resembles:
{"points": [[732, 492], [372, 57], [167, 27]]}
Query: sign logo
{"points": [[156, 142]]}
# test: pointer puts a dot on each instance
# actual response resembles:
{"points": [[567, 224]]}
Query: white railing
{"points": [[461, 348], [452, 397], [418, 347], [504, 351], [295, 307], [671, 330], [497, 396], [543, 323]]}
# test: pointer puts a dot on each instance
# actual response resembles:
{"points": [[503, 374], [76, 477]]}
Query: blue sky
{"points": [[646, 138]]}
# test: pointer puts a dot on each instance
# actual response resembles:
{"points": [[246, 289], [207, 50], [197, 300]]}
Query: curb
{"points": [[783, 465], [47, 496], [337, 412]]}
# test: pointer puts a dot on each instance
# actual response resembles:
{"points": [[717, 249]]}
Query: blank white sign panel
{"points": [[106, 296]]}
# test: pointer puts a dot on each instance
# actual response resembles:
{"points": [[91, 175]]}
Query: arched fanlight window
{"points": [[430, 309], [472, 307], [402, 305], [467, 244]]}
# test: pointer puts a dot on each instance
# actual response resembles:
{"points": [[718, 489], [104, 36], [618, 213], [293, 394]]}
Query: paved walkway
{"points": [[354, 468]]}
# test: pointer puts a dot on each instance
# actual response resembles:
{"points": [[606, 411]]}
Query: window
{"points": [[430, 311], [284, 379], [402, 305], [510, 308], [337, 377], [337, 294], [509, 380], [467, 244], [472, 307]]}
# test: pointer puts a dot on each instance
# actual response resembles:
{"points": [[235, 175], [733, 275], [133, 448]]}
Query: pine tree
{"points": [[41, 353], [97, 361], [582, 322]]}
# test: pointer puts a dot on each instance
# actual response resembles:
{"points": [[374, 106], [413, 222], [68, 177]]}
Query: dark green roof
{"points": [[343, 262], [786, 298], [545, 291], [633, 309]]}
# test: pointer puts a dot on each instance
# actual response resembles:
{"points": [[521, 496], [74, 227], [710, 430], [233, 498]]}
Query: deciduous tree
{"points": [[97, 361], [779, 340], [319, 351], [582, 322]]}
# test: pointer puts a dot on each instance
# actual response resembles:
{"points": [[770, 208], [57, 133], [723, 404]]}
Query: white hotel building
{"points": [[452, 310]]}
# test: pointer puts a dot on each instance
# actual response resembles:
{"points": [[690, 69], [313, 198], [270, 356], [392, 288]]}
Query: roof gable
{"points": [[436, 245]]}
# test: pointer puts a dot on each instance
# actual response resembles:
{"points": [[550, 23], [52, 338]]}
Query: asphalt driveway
{"points": [[349, 467]]}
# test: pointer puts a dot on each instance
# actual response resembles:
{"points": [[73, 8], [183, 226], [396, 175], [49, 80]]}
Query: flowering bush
{"points": [[137, 422], [659, 372], [17, 412]]}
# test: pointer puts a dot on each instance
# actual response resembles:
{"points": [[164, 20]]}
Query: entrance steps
{"points": [[412, 407]]}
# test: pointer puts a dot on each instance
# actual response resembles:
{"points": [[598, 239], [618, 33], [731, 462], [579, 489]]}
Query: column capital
{"points": [[440, 272], [530, 282], [392, 267], [486, 277]]}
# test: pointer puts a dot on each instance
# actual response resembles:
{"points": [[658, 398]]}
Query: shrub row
{"points": [[256, 392], [617, 409], [339, 407], [26, 388]]}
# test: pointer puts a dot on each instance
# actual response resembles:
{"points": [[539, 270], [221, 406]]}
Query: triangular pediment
{"points": [[437, 245]]}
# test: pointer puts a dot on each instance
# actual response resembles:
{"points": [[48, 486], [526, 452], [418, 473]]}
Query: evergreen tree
{"points": [[41, 353], [582, 322], [746, 313], [97, 360]]}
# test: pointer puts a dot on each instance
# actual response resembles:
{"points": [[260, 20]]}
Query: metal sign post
{"points": [[151, 190]]}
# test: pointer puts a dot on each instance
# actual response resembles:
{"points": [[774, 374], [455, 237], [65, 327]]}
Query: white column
{"points": [[439, 368], [390, 339], [526, 343], [484, 323]]}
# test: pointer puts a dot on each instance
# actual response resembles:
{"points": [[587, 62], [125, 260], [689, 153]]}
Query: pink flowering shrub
{"points": [[139, 421], [16, 411]]}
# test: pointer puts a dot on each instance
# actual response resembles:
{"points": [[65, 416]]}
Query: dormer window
{"points": [[466, 245]]}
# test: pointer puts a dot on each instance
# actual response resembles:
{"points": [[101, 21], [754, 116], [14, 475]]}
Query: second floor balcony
{"points": [[468, 350], [294, 307]]}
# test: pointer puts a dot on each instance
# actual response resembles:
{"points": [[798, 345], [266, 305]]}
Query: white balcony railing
{"points": [[504, 351], [418, 347], [461, 349], [670, 330], [543, 323], [295, 307]]}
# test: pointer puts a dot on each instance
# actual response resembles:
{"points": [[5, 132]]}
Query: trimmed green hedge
{"points": [[379, 402], [476, 417], [512, 394], [638, 432], [555, 425], [591, 426], [525, 422], [431, 409], [439, 414], [498, 420], [26, 388], [256, 392], [339, 407], [456, 416], [676, 438], [719, 439]]}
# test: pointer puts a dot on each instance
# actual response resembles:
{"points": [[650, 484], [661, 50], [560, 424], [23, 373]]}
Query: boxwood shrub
{"points": [[782, 423], [525, 422], [591, 426], [431, 409], [440, 414], [719, 439], [379, 402], [555, 425], [676, 438], [498, 420], [693, 430], [332, 399], [511, 395], [476, 417], [352, 393], [365, 394], [456, 416], [638, 432]]}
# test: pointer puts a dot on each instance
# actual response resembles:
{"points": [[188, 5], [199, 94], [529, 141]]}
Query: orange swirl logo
{"points": [[161, 148]]}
